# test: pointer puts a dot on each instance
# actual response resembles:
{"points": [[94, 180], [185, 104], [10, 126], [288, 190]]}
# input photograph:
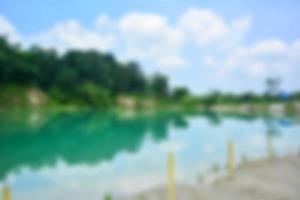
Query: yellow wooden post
{"points": [[171, 177], [230, 157], [6, 193]]}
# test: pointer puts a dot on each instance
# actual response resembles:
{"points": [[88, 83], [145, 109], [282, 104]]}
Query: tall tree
{"points": [[160, 86]]}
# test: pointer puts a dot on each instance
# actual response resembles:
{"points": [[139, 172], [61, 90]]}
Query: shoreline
{"points": [[265, 179]]}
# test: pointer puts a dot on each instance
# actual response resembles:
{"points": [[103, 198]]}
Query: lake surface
{"points": [[57, 155]]}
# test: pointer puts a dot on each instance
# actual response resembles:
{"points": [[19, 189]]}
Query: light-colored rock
{"points": [[35, 97]]}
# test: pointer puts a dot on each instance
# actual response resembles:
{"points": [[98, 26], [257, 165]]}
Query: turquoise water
{"points": [[57, 155]]}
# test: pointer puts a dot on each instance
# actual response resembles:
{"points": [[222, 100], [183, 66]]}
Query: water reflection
{"points": [[77, 138], [42, 139]]}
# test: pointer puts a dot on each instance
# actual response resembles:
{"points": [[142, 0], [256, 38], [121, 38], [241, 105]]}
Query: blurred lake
{"points": [[59, 155]]}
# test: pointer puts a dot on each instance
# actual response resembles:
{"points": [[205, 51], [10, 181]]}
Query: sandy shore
{"points": [[277, 179]]}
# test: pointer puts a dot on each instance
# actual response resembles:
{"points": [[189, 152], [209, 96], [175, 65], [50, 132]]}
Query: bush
{"points": [[180, 93], [94, 95]]}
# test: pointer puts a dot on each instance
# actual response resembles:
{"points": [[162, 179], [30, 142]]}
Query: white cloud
{"points": [[150, 36], [257, 68], [207, 28], [171, 61], [71, 34], [268, 47], [8, 30], [264, 58], [203, 25], [295, 51], [143, 25], [104, 24], [103, 21], [209, 60], [197, 35]]}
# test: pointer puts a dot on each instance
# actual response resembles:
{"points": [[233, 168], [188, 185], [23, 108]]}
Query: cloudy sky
{"points": [[205, 44]]}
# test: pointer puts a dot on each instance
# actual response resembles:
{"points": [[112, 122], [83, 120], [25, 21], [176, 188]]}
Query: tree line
{"points": [[85, 76], [95, 78]]}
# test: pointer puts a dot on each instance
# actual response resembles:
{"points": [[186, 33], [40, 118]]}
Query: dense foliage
{"points": [[85, 76], [97, 79]]}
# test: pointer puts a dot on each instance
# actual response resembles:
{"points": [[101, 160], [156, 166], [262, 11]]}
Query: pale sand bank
{"points": [[277, 179]]}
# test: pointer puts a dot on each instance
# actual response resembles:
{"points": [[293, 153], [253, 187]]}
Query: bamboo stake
{"points": [[230, 157], [6, 193], [171, 179]]}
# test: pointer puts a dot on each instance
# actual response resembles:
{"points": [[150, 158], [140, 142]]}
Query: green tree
{"points": [[94, 95], [159, 85], [179, 93], [89, 76]]}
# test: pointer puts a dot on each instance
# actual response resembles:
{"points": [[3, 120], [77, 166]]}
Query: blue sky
{"points": [[227, 45]]}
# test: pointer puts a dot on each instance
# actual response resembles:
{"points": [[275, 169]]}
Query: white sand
{"points": [[277, 179]]}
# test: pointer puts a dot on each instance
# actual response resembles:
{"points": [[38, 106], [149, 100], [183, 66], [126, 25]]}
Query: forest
{"points": [[97, 79], [83, 76]]}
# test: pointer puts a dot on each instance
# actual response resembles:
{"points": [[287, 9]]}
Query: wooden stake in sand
{"points": [[6, 193], [171, 173], [230, 157]]}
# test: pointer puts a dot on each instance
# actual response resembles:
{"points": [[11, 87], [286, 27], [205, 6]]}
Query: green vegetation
{"points": [[180, 93], [91, 78], [78, 77]]}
